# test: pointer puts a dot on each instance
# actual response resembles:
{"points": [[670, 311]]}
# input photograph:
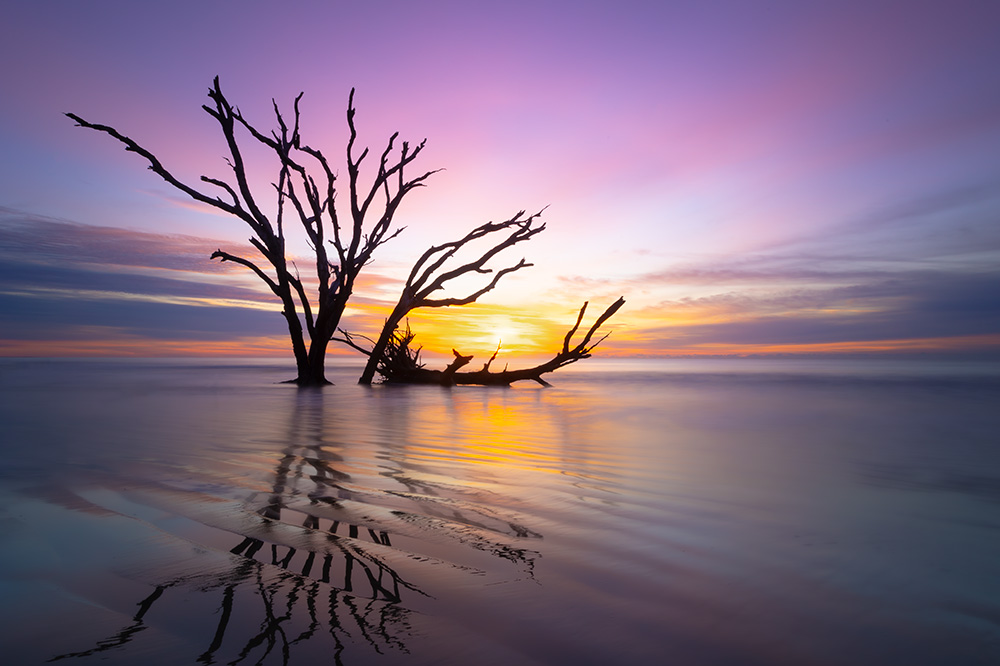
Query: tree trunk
{"points": [[314, 373], [315, 361], [378, 350]]}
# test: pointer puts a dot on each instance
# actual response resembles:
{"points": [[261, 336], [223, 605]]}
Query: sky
{"points": [[754, 177]]}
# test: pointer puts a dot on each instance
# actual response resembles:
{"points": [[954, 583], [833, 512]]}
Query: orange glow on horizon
{"points": [[437, 346], [915, 345], [523, 332]]}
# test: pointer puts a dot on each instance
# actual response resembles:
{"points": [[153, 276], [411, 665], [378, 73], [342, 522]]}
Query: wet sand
{"points": [[671, 512]]}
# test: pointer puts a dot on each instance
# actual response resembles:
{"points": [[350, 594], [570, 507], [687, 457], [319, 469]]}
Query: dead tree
{"points": [[400, 362], [429, 276], [307, 196]]}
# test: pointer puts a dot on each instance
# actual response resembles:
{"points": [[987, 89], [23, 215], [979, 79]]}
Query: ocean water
{"points": [[636, 512]]}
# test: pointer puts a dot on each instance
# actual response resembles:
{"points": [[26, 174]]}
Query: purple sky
{"points": [[754, 177]]}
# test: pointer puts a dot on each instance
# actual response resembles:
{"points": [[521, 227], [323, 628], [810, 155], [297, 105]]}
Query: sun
{"points": [[498, 329], [475, 331]]}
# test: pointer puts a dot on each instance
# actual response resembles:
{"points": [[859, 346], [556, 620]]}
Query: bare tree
{"points": [[307, 195]]}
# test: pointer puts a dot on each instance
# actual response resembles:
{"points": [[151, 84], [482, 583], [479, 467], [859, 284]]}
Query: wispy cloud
{"points": [[44, 240], [62, 284], [921, 274]]}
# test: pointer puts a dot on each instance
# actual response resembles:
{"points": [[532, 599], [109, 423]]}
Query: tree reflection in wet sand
{"points": [[305, 572]]}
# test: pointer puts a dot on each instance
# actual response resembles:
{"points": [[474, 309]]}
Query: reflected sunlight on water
{"points": [[713, 513]]}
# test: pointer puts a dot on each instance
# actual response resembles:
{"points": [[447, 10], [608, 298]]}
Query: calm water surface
{"points": [[672, 512]]}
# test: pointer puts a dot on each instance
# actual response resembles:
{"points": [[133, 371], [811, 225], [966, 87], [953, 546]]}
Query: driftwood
{"points": [[399, 361], [433, 271]]}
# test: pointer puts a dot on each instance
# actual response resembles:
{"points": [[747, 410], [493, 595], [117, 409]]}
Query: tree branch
{"points": [[226, 117], [522, 231], [156, 167], [306, 307], [225, 256], [445, 302]]}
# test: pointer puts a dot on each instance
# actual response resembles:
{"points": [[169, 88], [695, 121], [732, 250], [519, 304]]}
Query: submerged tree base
{"points": [[479, 378], [308, 381], [400, 363]]}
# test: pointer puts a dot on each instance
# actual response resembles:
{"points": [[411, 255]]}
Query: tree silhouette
{"points": [[306, 189]]}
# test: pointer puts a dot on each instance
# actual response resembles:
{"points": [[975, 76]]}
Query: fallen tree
{"points": [[399, 362], [430, 275]]}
